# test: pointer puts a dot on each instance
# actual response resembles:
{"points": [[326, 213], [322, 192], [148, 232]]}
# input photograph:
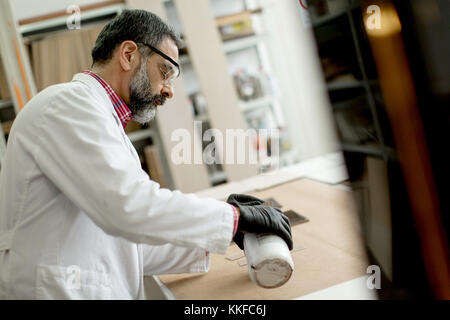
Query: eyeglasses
{"points": [[169, 71]]}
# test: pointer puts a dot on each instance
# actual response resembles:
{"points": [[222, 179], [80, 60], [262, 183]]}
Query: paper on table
{"points": [[242, 262], [235, 256]]}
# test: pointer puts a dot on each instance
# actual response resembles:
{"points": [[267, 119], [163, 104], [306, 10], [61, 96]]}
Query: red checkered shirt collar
{"points": [[122, 110]]}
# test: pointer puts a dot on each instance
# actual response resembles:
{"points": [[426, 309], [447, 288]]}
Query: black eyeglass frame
{"points": [[165, 56]]}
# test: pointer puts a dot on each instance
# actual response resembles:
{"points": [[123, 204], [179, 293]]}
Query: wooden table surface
{"points": [[330, 251]]}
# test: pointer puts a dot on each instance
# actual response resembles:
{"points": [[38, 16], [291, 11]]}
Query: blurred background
{"points": [[368, 80]]}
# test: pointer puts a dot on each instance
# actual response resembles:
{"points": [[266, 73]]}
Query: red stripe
{"points": [[236, 220], [122, 110]]}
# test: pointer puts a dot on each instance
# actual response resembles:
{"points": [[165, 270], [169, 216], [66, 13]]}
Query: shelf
{"points": [[256, 103], [231, 46], [140, 134], [5, 104], [344, 84], [217, 177], [348, 84], [370, 150], [237, 17], [287, 158], [354, 102], [322, 20], [201, 117], [316, 22]]}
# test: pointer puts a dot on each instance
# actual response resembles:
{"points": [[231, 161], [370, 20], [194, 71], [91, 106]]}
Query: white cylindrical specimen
{"points": [[269, 261]]}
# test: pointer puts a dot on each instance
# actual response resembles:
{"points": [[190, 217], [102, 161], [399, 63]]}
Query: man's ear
{"points": [[128, 55]]}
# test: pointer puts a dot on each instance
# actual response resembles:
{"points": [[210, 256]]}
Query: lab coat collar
{"points": [[93, 83]]}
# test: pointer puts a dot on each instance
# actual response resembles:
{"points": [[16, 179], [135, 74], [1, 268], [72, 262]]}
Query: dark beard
{"points": [[142, 103]]}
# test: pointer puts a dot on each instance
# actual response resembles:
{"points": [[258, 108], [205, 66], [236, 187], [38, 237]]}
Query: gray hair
{"points": [[139, 26]]}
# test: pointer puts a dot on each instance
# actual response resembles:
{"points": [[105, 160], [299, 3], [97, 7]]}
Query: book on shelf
{"points": [[236, 25]]}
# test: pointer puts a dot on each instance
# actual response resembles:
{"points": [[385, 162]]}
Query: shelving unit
{"points": [[358, 93], [256, 103], [241, 46], [231, 46], [252, 43], [316, 22], [364, 128]]}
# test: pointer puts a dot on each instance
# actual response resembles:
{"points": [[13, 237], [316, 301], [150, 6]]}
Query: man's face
{"points": [[147, 87]]}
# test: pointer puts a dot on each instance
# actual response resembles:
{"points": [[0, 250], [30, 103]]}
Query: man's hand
{"points": [[255, 217]]}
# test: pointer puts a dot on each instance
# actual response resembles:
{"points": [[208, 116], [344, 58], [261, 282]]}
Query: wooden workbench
{"points": [[331, 249]]}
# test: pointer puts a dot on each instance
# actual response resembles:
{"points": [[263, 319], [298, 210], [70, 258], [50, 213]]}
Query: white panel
{"points": [[296, 65], [208, 58]]}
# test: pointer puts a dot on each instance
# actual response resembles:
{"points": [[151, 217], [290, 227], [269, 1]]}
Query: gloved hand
{"points": [[258, 218]]}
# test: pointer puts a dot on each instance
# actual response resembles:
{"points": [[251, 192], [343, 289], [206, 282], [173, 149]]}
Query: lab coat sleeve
{"points": [[80, 148], [170, 259]]}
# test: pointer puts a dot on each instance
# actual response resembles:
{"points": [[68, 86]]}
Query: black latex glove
{"points": [[258, 218]]}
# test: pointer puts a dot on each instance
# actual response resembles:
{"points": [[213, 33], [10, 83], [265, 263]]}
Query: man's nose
{"points": [[167, 91]]}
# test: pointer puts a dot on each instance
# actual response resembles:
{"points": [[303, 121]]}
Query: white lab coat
{"points": [[79, 218]]}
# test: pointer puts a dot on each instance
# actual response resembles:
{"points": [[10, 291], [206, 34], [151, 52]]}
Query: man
{"points": [[79, 218]]}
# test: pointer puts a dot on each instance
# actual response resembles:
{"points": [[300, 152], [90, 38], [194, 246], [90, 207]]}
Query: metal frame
{"points": [[383, 151], [366, 82]]}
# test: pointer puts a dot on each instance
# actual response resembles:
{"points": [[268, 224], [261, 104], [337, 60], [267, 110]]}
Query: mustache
{"points": [[160, 98], [153, 100]]}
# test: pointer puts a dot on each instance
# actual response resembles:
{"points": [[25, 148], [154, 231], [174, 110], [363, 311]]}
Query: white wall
{"points": [[296, 64]]}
